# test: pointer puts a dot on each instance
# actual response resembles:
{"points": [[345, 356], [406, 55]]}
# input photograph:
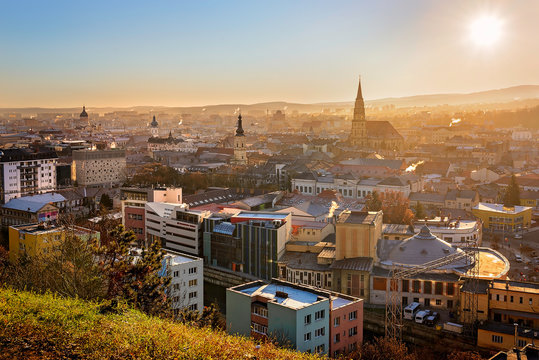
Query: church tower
{"points": [[154, 128], [240, 153], [358, 137]]}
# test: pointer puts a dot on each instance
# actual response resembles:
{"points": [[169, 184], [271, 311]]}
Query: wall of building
{"points": [[345, 328], [238, 313]]}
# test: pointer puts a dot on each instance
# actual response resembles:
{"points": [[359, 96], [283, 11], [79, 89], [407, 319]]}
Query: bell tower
{"points": [[358, 136]]}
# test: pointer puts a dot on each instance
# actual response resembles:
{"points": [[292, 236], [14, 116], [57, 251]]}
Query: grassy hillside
{"points": [[49, 327]]}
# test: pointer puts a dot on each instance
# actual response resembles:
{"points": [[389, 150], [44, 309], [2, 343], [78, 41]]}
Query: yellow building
{"points": [[37, 239], [497, 217], [502, 336], [357, 233]]}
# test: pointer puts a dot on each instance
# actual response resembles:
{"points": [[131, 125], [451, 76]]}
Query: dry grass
{"points": [[49, 327]]}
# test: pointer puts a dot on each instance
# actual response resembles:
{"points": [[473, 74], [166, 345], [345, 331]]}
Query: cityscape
{"points": [[285, 180]]}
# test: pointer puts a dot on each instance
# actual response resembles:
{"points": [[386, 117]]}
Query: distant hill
{"points": [[509, 94]]}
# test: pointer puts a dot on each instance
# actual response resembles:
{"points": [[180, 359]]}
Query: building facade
{"points": [[186, 281], [312, 320], [26, 172], [40, 238], [240, 150], [98, 167], [178, 228], [499, 218]]}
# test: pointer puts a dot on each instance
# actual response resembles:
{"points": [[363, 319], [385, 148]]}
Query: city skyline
{"points": [[64, 54]]}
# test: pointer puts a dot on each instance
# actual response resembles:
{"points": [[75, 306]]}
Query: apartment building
{"points": [[187, 281], [98, 167], [26, 172], [40, 238], [497, 217], [314, 321]]}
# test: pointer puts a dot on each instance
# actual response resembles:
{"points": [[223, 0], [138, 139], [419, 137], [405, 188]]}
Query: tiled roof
{"points": [[358, 264]]}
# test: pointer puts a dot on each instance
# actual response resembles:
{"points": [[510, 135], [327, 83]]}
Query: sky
{"points": [[193, 53]]}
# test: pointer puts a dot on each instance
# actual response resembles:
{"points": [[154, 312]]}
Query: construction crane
{"points": [[393, 319]]}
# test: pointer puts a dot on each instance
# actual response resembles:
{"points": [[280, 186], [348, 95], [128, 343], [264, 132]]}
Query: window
{"points": [[352, 331], [497, 297], [307, 319], [193, 270], [405, 285], [531, 301], [497, 339], [336, 321], [320, 348], [450, 289], [427, 287], [337, 338], [307, 336], [259, 328], [260, 311], [319, 315], [522, 343], [192, 295], [379, 284], [320, 332], [193, 282], [450, 304], [520, 300], [512, 298], [438, 302], [193, 307], [416, 286], [352, 315]]}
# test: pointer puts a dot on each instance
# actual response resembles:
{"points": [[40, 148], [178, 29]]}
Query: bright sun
{"points": [[486, 30]]}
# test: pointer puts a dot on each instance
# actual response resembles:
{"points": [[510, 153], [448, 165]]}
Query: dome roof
{"points": [[154, 122], [84, 113], [423, 248]]}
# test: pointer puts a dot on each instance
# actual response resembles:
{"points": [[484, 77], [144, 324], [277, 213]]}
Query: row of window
{"points": [[317, 333], [511, 299]]}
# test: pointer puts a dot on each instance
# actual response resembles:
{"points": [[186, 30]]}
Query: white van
{"points": [[411, 310], [421, 316]]}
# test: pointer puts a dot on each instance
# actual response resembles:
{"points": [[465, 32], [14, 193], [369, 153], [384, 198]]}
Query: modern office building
{"points": [[98, 167], [249, 241], [133, 201], [499, 218], [311, 320], [26, 172], [177, 227]]}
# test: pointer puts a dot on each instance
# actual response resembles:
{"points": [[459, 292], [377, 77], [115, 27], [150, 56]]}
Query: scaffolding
{"points": [[393, 319]]}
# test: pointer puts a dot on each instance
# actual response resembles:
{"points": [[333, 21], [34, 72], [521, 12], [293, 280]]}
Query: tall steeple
{"points": [[358, 135]]}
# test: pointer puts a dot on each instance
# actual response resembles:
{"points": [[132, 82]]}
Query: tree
{"points": [[106, 201], [396, 208], [419, 211], [512, 193], [383, 349], [464, 355], [134, 278], [373, 203]]}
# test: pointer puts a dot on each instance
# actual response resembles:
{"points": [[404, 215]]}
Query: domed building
{"points": [[438, 288], [83, 117]]}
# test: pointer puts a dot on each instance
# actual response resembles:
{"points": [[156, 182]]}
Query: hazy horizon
{"points": [[127, 54]]}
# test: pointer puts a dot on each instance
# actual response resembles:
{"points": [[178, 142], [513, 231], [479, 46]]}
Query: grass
{"points": [[50, 327]]}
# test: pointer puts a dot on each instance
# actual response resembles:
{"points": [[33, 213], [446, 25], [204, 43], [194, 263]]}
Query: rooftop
{"points": [[296, 298], [358, 217], [500, 208], [33, 203]]}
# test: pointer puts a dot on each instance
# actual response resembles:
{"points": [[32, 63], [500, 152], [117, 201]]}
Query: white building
{"points": [[521, 135], [177, 227], [351, 187], [26, 172], [98, 167], [187, 281], [461, 233]]}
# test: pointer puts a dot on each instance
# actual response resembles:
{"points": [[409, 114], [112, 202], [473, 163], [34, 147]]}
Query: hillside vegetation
{"points": [[51, 327]]}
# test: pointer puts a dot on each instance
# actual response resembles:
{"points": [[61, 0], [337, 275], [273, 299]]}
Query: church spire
{"points": [[359, 106], [239, 130]]}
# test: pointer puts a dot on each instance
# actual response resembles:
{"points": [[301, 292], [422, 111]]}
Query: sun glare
{"points": [[486, 30]]}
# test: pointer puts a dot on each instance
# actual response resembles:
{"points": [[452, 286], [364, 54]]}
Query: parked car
{"points": [[432, 319], [421, 316], [518, 236], [411, 310], [518, 258]]}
